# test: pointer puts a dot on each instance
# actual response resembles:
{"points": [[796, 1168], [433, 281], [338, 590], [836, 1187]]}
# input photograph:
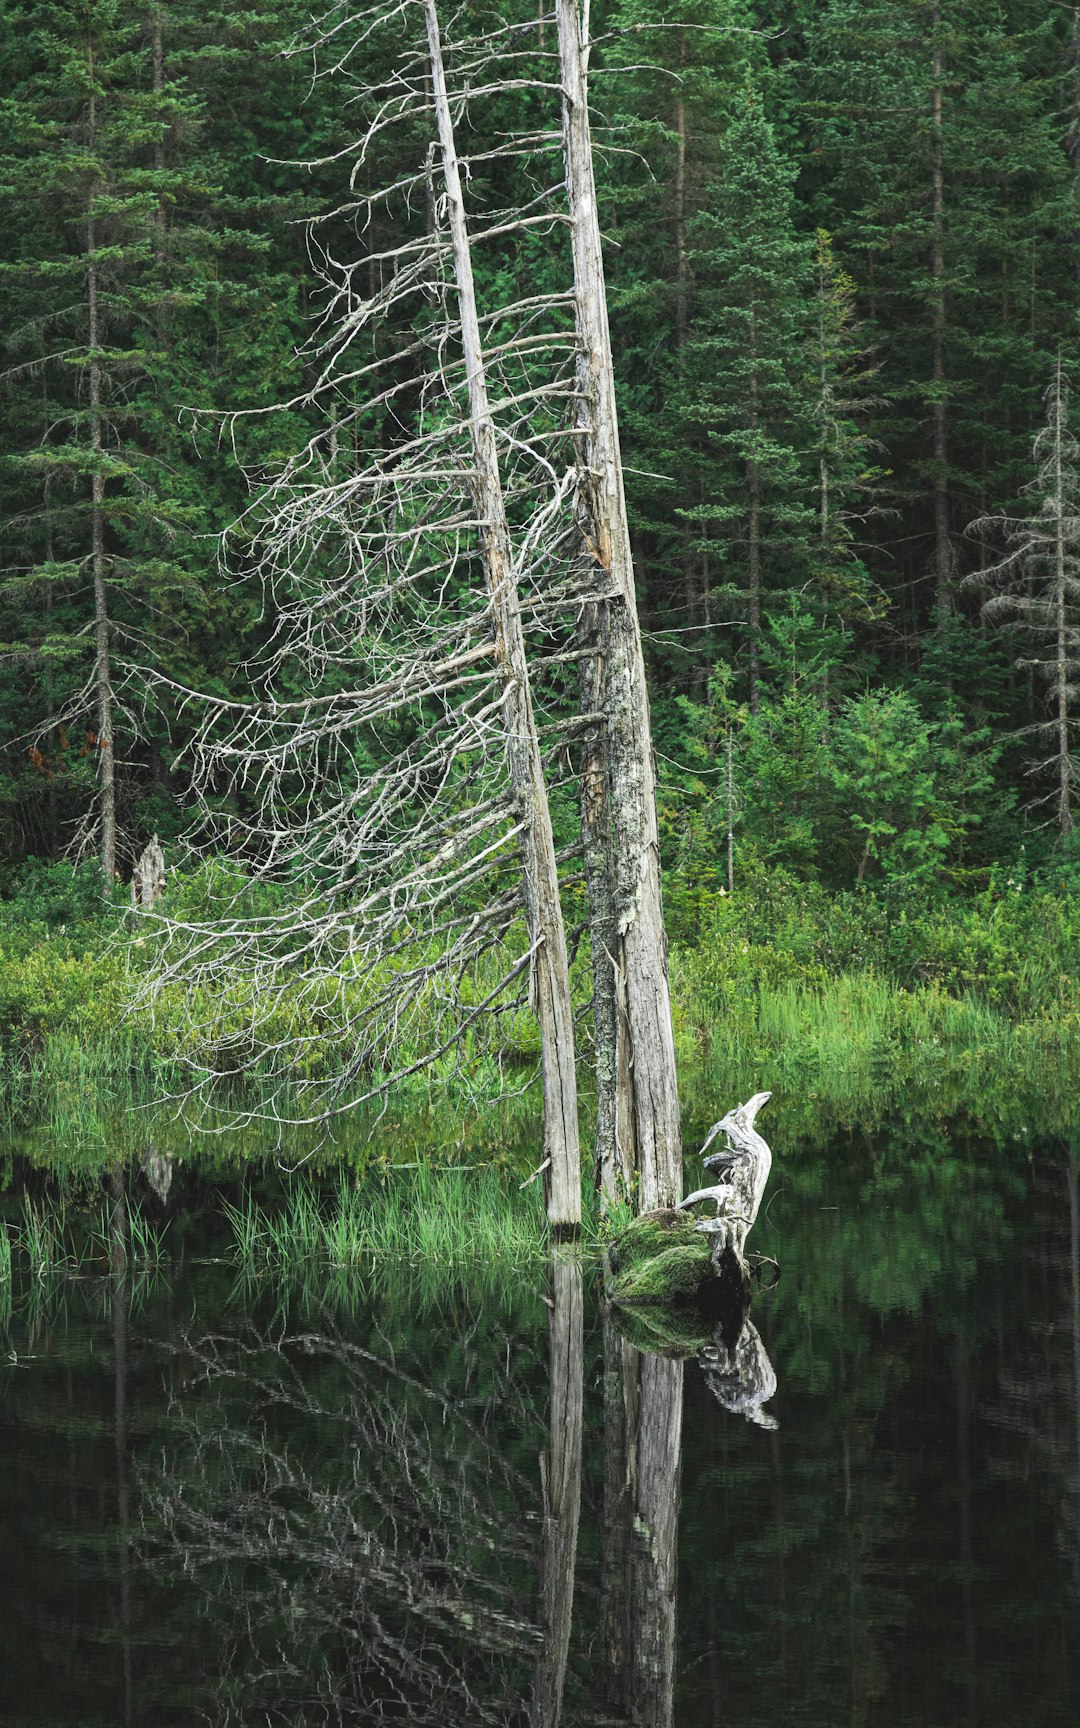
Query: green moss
{"points": [[658, 1259], [665, 1331]]}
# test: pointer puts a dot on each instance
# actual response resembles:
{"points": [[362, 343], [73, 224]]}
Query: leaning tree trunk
{"points": [[551, 976], [642, 1128]]}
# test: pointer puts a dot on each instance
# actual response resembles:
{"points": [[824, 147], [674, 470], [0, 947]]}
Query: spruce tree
{"points": [[745, 385]]}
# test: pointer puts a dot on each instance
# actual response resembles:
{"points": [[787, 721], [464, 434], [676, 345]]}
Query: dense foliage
{"points": [[843, 284]]}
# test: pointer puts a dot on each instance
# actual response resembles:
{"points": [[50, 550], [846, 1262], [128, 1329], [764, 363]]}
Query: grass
{"points": [[5, 1277], [860, 1047], [448, 1216], [50, 1239], [850, 1007]]}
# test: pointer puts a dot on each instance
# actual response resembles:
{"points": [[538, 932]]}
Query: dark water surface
{"points": [[432, 1500]]}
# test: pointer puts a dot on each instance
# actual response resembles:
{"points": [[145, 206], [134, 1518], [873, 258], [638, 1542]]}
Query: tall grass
{"points": [[50, 1239], [451, 1216]]}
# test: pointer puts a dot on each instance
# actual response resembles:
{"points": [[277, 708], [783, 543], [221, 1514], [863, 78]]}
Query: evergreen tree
{"points": [[129, 294], [744, 368]]}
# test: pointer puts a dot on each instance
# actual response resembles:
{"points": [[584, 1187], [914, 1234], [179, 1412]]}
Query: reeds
{"points": [[450, 1215], [50, 1239]]}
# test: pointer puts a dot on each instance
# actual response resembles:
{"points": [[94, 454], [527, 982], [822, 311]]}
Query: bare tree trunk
{"points": [[1061, 644], [645, 1059], [550, 976], [102, 674], [753, 556], [695, 580], [942, 543], [562, 1490]]}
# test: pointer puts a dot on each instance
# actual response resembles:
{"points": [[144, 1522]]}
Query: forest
{"points": [[841, 244]]}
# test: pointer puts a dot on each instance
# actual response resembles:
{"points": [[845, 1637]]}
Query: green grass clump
{"points": [[449, 1215]]}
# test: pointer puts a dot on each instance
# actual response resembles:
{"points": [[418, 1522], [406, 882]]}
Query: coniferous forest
{"points": [[843, 254]]}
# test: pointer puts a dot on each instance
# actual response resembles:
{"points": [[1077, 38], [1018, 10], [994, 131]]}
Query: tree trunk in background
{"points": [[102, 673], [644, 1059], [942, 543], [753, 541], [550, 976], [1061, 645]]}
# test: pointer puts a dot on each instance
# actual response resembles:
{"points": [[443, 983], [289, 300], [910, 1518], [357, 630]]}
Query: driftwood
{"points": [[741, 1170]]}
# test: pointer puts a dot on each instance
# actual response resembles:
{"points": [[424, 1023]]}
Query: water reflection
{"points": [[561, 1483], [456, 1504], [365, 1537]]}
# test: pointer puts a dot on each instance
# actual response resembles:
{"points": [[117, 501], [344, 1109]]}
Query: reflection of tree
{"points": [[364, 1542], [1039, 1387], [643, 1398], [562, 1488]]}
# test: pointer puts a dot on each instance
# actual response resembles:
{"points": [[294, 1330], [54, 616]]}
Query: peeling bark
{"points": [[644, 1065]]}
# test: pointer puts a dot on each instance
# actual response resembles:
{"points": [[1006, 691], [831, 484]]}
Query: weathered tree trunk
{"points": [[551, 977], [102, 630], [562, 1490], [148, 877], [638, 993]]}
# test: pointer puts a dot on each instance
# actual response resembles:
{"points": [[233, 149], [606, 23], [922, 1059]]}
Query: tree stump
{"points": [[148, 880]]}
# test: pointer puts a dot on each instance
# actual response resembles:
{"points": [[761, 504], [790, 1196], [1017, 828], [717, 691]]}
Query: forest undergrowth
{"points": [[848, 1006]]}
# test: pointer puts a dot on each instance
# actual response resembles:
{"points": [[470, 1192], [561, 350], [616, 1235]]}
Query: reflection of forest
{"points": [[894, 1554], [468, 1506]]}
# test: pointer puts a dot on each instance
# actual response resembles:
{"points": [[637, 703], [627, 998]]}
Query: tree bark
{"points": [[753, 544], [645, 1058], [550, 977]]}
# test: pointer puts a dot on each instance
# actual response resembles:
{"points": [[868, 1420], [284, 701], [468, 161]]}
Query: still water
{"points": [[429, 1500]]}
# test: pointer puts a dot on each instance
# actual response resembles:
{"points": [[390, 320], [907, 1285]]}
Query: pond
{"points": [[421, 1497]]}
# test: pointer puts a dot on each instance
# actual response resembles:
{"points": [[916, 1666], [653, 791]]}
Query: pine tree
{"points": [[136, 284], [95, 518], [746, 361]]}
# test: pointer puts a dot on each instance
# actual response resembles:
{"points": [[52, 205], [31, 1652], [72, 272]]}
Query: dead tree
{"points": [[639, 1104], [446, 548], [1037, 592], [403, 592], [543, 907]]}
